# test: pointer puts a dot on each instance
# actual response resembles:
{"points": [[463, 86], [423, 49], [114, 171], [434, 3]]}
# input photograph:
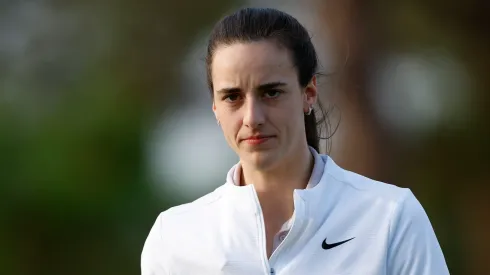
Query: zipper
{"points": [[294, 228], [263, 242]]}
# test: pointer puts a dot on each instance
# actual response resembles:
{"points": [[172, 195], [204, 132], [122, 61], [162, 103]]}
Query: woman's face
{"points": [[259, 102]]}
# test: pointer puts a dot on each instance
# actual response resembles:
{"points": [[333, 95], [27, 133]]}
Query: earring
{"points": [[217, 122], [309, 111]]}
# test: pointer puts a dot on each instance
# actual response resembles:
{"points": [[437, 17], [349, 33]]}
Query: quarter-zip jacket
{"points": [[316, 174], [386, 230]]}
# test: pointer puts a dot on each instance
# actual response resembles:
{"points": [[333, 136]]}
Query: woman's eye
{"points": [[232, 97], [272, 93]]}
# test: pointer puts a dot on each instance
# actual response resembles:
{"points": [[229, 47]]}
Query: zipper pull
{"points": [[273, 271]]}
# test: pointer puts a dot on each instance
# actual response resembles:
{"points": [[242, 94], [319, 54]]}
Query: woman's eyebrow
{"points": [[261, 87], [231, 90], [270, 85]]}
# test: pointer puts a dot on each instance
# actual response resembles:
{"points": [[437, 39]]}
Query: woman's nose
{"points": [[254, 115]]}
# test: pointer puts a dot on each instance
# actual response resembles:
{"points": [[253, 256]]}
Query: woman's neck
{"points": [[292, 173]]}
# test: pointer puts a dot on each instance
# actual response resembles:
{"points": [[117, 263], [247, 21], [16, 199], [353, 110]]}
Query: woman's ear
{"points": [[311, 94], [215, 114]]}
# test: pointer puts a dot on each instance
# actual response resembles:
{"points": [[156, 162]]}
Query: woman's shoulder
{"points": [[188, 217], [198, 207], [178, 229], [363, 185], [400, 202]]}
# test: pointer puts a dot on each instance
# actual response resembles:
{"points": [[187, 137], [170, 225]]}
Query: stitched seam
{"points": [[395, 210]]}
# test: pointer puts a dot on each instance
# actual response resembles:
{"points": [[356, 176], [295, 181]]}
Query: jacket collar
{"points": [[233, 175], [312, 196]]}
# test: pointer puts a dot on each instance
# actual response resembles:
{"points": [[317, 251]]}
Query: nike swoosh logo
{"points": [[326, 246]]}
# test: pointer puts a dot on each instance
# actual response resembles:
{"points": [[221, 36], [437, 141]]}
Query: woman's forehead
{"points": [[252, 63], [251, 55]]}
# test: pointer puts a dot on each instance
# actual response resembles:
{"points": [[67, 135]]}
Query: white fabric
{"points": [[223, 232], [315, 177]]}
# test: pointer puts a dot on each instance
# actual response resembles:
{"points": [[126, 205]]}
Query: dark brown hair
{"points": [[255, 24]]}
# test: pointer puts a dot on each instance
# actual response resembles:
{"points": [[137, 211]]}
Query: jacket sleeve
{"points": [[153, 254], [413, 247]]}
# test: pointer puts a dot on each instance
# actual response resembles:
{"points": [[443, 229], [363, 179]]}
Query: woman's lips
{"points": [[257, 140]]}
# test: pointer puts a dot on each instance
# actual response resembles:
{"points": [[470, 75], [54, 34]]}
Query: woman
{"points": [[284, 209]]}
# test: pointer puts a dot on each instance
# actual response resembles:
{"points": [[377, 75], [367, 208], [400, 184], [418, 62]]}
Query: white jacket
{"points": [[346, 225]]}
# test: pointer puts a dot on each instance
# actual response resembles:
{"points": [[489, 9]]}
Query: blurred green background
{"points": [[105, 119]]}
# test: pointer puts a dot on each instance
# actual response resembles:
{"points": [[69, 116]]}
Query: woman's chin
{"points": [[261, 160]]}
